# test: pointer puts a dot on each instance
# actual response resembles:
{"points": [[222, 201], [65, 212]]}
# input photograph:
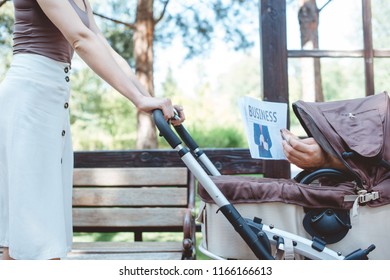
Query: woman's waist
{"points": [[40, 69]]}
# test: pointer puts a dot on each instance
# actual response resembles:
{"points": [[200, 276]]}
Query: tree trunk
{"points": [[308, 16], [3, 2], [143, 54]]}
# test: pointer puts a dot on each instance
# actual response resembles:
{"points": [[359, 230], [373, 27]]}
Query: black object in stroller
{"points": [[267, 241]]}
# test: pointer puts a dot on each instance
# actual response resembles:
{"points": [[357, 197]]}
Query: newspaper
{"points": [[263, 121]]}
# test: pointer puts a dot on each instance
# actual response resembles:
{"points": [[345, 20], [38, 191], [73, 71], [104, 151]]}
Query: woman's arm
{"points": [[94, 51]]}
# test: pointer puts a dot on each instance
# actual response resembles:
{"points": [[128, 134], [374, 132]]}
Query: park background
{"points": [[206, 55]]}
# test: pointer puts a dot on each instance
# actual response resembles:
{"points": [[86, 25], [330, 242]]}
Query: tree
{"points": [[3, 2], [196, 21], [170, 88]]}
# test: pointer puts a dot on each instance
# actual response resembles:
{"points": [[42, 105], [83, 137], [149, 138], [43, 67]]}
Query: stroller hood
{"points": [[355, 132]]}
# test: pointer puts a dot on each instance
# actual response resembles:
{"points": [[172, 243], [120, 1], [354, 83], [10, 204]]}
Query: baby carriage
{"points": [[322, 214]]}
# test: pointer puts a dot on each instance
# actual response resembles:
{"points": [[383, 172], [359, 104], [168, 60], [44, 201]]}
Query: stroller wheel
{"points": [[307, 177]]}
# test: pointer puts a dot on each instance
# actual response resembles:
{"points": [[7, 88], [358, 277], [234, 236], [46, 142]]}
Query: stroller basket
{"points": [[262, 240]]}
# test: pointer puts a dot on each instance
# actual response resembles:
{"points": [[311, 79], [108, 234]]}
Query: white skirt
{"points": [[36, 159]]}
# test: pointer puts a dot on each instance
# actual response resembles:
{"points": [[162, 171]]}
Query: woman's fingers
{"points": [[304, 153], [180, 117]]}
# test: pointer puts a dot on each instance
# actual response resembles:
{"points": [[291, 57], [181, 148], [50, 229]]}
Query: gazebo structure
{"points": [[275, 55]]}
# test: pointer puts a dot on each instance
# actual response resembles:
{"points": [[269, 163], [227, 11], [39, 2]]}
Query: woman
{"points": [[35, 144]]}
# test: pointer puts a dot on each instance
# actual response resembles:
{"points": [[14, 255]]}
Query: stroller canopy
{"points": [[354, 131]]}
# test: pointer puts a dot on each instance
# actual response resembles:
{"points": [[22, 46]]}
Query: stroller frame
{"points": [[258, 236]]}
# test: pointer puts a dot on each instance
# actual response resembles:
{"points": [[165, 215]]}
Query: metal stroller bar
{"points": [[239, 223], [190, 142], [257, 235]]}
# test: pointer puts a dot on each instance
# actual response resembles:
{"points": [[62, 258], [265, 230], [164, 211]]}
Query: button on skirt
{"points": [[36, 159]]}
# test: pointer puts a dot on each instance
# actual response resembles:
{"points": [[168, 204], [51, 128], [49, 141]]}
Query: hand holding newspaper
{"points": [[263, 122]]}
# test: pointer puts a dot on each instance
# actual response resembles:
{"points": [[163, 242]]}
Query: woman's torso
{"points": [[35, 33]]}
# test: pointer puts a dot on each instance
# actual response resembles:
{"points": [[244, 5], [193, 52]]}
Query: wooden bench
{"points": [[132, 192], [144, 191], [150, 190]]}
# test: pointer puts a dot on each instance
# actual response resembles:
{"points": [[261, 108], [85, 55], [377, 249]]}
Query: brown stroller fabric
{"points": [[354, 131], [242, 189]]}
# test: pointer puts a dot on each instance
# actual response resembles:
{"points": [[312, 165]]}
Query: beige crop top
{"points": [[35, 33]]}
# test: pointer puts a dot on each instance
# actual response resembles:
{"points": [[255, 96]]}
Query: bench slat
{"points": [[127, 256], [126, 247], [126, 251], [129, 176], [163, 196], [128, 217]]}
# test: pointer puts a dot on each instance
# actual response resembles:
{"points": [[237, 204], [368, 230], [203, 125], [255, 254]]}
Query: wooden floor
{"points": [[124, 251]]}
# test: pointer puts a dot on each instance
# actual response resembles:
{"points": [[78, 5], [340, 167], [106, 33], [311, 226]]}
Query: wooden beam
{"points": [[273, 36], [336, 53], [121, 217], [381, 53], [138, 176], [226, 160], [130, 197], [368, 47], [325, 53], [274, 50]]}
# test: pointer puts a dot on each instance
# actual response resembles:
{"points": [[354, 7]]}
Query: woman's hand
{"points": [[306, 153], [180, 115]]}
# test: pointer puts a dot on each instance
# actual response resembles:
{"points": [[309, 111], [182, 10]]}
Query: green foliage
{"points": [[118, 35], [6, 25], [219, 136], [121, 39], [380, 24], [382, 74], [340, 82], [100, 118], [381, 40], [242, 79], [213, 117], [200, 22], [169, 86], [295, 89], [214, 137], [7, 21]]}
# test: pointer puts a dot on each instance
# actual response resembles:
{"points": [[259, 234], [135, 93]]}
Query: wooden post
{"points": [[368, 47], [273, 37]]}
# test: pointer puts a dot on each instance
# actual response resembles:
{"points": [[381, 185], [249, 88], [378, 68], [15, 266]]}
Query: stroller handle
{"points": [[170, 136], [174, 141], [165, 129], [186, 137]]}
